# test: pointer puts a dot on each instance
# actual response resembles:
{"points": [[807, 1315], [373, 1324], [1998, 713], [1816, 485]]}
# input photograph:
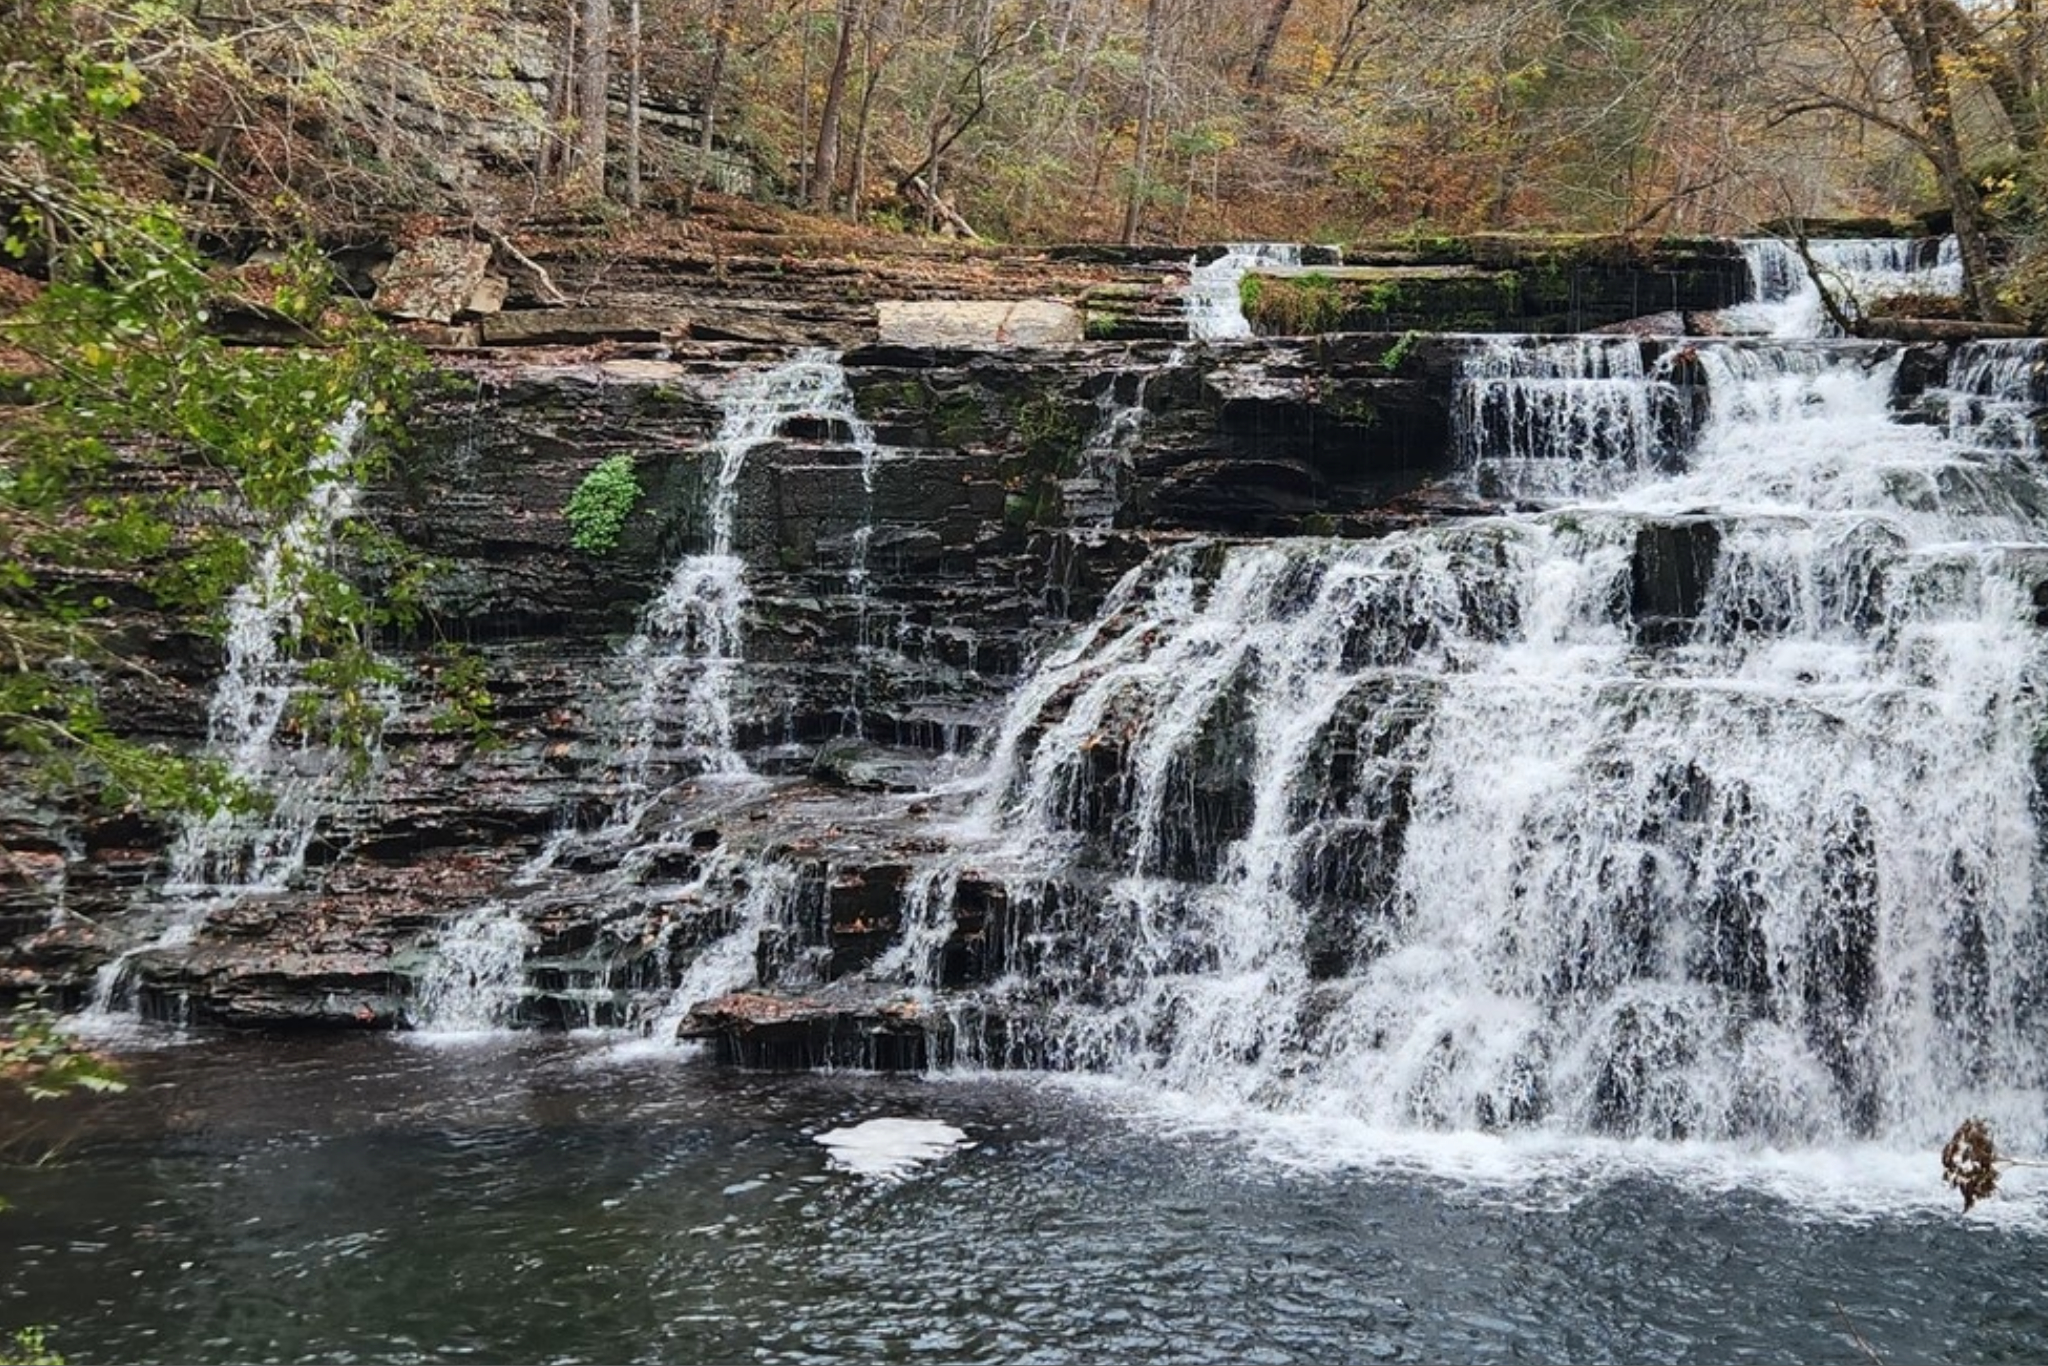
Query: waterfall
{"points": [[684, 660], [728, 960], [857, 577], [1785, 301], [1702, 808], [691, 634], [1091, 496], [1569, 417], [1996, 394], [231, 852], [474, 981], [1215, 312]]}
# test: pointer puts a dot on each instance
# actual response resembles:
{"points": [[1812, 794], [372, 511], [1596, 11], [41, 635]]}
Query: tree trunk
{"points": [[1354, 27], [1918, 30], [633, 104], [555, 151], [872, 65], [825, 165], [2007, 67], [593, 75], [722, 26], [1141, 155], [1269, 39]]}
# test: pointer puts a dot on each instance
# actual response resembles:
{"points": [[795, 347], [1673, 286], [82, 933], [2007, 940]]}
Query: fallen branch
{"points": [[915, 189], [544, 285], [1855, 1335], [1828, 302], [1971, 1162]]}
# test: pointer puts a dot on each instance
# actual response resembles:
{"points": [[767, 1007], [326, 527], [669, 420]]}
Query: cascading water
{"points": [[1700, 807], [232, 852], [1215, 311], [472, 985], [1996, 394], [1785, 301], [689, 644], [691, 633], [1091, 496], [1577, 415], [857, 576]]}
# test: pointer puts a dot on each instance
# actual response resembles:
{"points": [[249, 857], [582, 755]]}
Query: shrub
{"points": [[597, 509]]}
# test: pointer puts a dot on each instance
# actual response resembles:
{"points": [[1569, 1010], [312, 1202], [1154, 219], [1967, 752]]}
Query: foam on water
{"points": [[891, 1148]]}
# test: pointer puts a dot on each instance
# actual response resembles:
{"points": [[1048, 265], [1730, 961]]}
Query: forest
{"points": [[1058, 120]]}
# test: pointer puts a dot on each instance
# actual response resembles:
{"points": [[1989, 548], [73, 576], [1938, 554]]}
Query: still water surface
{"points": [[561, 1199]]}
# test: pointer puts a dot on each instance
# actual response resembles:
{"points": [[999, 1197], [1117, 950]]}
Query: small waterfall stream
{"points": [[690, 634], [473, 982], [1785, 302], [223, 855], [685, 660], [857, 576], [1575, 415], [1090, 497], [1215, 312], [229, 852]]}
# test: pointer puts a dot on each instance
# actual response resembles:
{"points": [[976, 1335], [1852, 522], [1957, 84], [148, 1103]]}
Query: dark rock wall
{"points": [[974, 560]]}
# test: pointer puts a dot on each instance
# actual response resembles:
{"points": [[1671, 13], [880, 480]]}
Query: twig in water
{"points": [[1862, 1343]]}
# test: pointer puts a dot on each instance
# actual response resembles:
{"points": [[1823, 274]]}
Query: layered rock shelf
{"points": [[894, 596]]}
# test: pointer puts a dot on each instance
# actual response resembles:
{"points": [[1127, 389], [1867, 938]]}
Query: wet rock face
{"points": [[892, 599]]}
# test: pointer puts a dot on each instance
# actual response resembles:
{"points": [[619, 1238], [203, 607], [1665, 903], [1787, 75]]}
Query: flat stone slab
{"points": [[979, 325], [836, 1027], [578, 326]]}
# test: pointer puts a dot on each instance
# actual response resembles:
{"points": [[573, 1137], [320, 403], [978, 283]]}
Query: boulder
{"points": [[434, 280], [865, 767], [836, 1028], [489, 295]]}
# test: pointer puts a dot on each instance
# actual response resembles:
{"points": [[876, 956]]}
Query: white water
{"points": [[221, 856], [858, 580], [1570, 416], [1995, 389], [1091, 498], [728, 962], [1786, 302], [233, 852], [685, 659], [1215, 312], [690, 636], [473, 983], [1426, 835]]}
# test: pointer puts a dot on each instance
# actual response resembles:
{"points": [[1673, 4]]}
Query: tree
{"points": [[1269, 38], [1933, 47], [591, 77], [825, 162], [142, 454]]}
